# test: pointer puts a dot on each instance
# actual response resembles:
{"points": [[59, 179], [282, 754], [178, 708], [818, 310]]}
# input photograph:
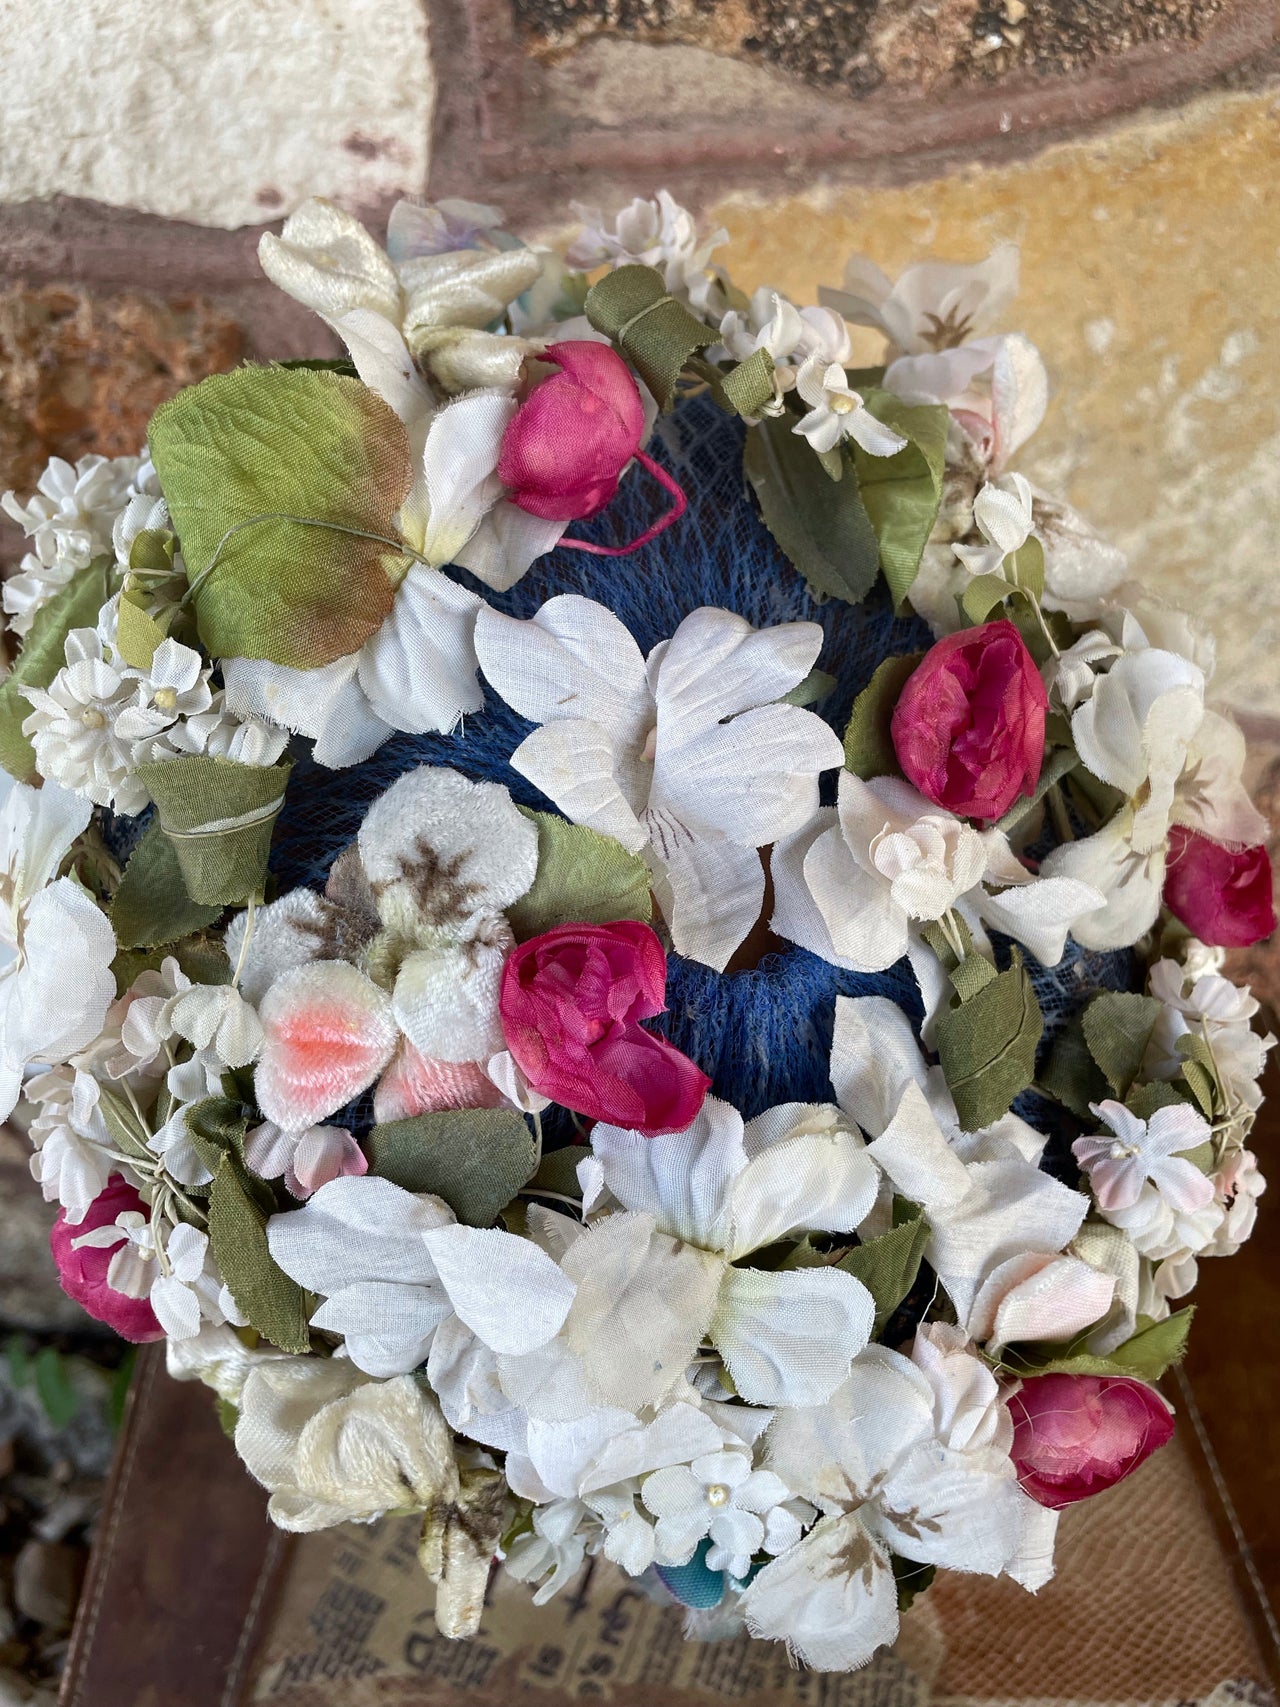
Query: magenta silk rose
{"points": [[1222, 895], [571, 1005], [1074, 1435], [968, 727], [574, 434], [83, 1273]]}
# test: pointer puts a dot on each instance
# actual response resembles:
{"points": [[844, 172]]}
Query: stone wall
{"points": [[1129, 146]]}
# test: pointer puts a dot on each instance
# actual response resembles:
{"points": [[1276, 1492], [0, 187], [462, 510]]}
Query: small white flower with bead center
{"points": [[721, 1496], [837, 411]]}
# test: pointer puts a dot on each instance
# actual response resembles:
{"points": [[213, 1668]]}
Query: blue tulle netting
{"points": [[763, 1035]]}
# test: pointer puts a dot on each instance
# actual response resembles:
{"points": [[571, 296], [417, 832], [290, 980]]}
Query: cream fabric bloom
{"points": [[685, 757]]}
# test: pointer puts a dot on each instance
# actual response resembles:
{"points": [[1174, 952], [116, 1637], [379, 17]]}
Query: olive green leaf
{"points": [[1155, 1348], [324, 457], [1071, 1075], [219, 816], [1117, 1027], [558, 1172], [868, 740], [750, 385], [584, 877], [1146, 1100], [902, 493], [816, 686], [216, 1127], [820, 523], [152, 907], [982, 594], [274, 1304], [655, 333], [201, 957], [987, 1046], [888, 1266], [43, 654], [476, 1159], [1059, 762]]}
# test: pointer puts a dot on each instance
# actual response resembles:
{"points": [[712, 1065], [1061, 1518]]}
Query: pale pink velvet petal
{"points": [[416, 1084], [329, 1033]]}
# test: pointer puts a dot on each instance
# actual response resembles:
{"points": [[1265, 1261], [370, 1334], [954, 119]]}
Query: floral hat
{"points": [[616, 928]]}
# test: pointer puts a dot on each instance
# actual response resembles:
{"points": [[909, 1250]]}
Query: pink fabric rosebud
{"points": [[574, 434], [968, 727], [1076, 1435], [83, 1273], [1222, 895], [571, 1005]]}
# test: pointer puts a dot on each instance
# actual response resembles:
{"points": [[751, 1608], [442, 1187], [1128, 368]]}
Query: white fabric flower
{"points": [[696, 1204], [875, 1460], [70, 1139], [1136, 1151], [57, 982], [173, 1270], [837, 411], [1145, 730], [1002, 513], [333, 1446], [1238, 1185], [553, 1552], [688, 759], [175, 685], [444, 858], [72, 726], [1210, 1006], [790, 334], [655, 233], [69, 521], [855, 885], [934, 305], [719, 1495], [987, 1200], [393, 1265]]}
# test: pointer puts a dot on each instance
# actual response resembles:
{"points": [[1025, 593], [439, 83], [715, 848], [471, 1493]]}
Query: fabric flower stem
{"points": [[660, 526]]}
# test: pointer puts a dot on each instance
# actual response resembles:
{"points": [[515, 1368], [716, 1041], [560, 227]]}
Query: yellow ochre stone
{"points": [[1151, 284]]}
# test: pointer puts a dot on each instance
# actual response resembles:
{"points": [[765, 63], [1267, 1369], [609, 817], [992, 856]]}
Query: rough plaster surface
{"points": [[1150, 270], [222, 112]]}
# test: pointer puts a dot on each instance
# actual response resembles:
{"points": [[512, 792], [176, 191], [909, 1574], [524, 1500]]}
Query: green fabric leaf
{"points": [[1071, 1075], [939, 941], [127, 1131], [201, 957], [987, 1046], [983, 594], [868, 739], [820, 524], [274, 1304], [219, 816], [151, 907], [1201, 1085], [816, 686], [655, 333], [558, 1172], [299, 443], [1117, 1027], [584, 877], [216, 1127], [1059, 762], [137, 632], [902, 493], [888, 1266], [1026, 568], [750, 385], [1146, 1100], [1154, 1349], [802, 1254], [43, 654], [972, 974], [476, 1159]]}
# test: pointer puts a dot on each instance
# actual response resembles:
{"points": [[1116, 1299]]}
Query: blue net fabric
{"points": [[764, 1035]]}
